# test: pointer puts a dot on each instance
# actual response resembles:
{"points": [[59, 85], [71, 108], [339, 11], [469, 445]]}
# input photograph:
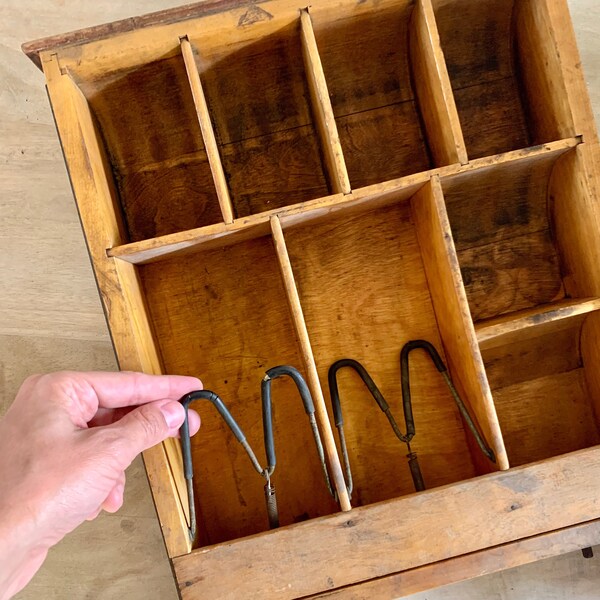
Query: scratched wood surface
{"points": [[50, 318]]}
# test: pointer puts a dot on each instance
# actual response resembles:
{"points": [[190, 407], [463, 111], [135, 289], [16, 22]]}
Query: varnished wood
{"points": [[374, 196], [506, 250], [367, 268], [494, 332], [452, 313], [88, 168], [432, 84], [321, 105], [364, 270], [208, 134], [507, 502], [539, 387], [291, 291], [469, 566]]}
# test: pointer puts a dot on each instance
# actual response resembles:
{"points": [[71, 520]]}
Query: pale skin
{"points": [[65, 443]]}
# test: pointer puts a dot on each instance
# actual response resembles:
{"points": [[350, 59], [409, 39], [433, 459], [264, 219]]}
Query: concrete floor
{"points": [[50, 318]]}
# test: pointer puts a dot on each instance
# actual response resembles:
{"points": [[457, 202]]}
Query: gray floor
{"points": [[50, 318]]}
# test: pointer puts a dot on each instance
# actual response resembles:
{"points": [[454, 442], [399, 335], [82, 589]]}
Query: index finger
{"points": [[125, 388]]}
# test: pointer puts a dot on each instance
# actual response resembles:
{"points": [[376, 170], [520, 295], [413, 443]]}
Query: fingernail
{"points": [[173, 413]]}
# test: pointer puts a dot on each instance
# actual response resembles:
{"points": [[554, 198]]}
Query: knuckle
{"points": [[150, 421]]}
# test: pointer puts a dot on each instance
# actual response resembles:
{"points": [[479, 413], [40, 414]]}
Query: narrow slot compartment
{"points": [[503, 222], [543, 383], [506, 73], [368, 58], [454, 320], [364, 294], [222, 315], [147, 118], [258, 98], [208, 134]]}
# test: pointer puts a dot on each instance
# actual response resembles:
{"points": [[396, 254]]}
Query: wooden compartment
{"points": [[505, 70], [146, 118], [539, 378], [258, 98], [269, 183], [222, 315], [504, 229], [386, 89], [367, 268]]}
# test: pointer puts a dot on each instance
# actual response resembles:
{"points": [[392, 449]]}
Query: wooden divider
{"points": [[208, 134], [434, 91], [322, 110], [454, 317], [309, 362], [93, 186], [497, 330]]}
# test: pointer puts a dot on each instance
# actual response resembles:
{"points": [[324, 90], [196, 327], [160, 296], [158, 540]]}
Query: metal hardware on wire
{"points": [[186, 445], [413, 462], [266, 473]]}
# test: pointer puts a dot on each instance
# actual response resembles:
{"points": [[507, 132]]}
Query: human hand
{"points": [[65, 443]]}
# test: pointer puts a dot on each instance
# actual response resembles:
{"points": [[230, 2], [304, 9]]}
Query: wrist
{"points": [[21, 553]]}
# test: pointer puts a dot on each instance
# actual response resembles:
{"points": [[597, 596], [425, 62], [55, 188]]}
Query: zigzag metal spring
{"points": [[413, 462], [266, 473]]}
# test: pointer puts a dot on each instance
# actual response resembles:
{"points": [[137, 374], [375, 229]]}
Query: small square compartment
{"points": [[544, 384], [147, 120], [258, 99], [505, 71], [367, 61], [502, 221]]}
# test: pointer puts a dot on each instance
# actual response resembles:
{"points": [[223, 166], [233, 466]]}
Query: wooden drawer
{"points": [[263, 184]]}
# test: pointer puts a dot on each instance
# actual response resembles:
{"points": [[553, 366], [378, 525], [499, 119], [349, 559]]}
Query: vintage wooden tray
{"points": [[266, 183]]}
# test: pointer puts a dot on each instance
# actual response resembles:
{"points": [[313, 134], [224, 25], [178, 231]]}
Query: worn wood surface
{"points": [[42, 206], [454, 321], [333, 261], [505, 500]]}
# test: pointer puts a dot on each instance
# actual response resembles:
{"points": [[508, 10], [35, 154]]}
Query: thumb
{"points": [[144, 427]]}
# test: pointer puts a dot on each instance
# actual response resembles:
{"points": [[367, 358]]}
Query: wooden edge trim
{"points": [[92, 187], [434, 89], [389, 537], [208, 133], [455, 324], [322, 109], [492, 329], [154, 248], [475, 564], [34, 48], [563, 33], [293, 297]]}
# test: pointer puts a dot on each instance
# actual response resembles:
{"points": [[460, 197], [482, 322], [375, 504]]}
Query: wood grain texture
{"points": [[494, 332], [369, 81], [322, 109], [454, 320], [500, 225], [472, 565], [92, 185], [291, 291], [162, 172], [258, 97], [367, 268], [374, 196], [503, 501], [223, 315], [433, 88], [208, 134], [539, 387]]}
